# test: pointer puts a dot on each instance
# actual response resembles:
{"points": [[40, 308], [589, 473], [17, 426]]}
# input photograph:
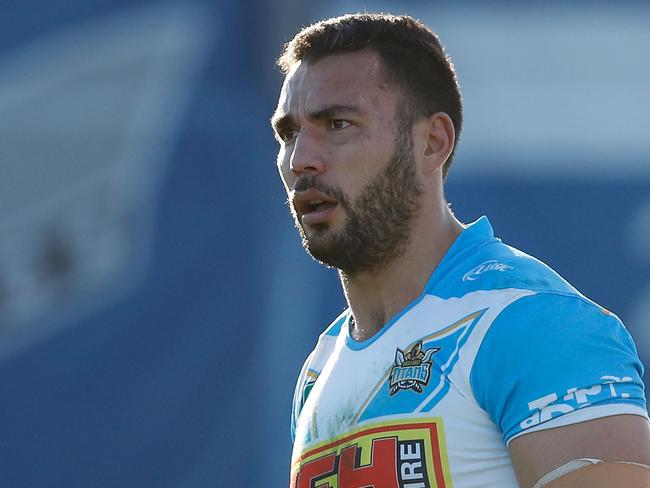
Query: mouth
{"points": [[314, 208], [318, 212]]}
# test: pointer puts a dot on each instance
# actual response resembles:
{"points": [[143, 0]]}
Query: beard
{"points": [[378, 223]]}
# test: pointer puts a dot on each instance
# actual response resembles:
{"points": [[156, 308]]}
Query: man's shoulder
{"points": [[326, 343], [314, 365], [334, 328], [498, 266]]}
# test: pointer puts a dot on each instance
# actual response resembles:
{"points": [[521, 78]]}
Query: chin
{"points": [[319, 244], [316, 241], [321, 241]]}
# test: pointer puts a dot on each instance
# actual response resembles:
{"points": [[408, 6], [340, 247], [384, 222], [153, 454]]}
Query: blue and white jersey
{"points": [[498, 345]]}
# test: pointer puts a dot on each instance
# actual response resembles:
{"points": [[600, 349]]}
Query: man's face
{"points": [[346, 161]]}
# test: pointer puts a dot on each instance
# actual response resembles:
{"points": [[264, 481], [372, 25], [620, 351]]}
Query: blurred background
{"points": [[155, 304]]}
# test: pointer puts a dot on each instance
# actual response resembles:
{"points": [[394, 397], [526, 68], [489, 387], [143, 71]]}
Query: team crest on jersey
{"points": [[412, 369]]}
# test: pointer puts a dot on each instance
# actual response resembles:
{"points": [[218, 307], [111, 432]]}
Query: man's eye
{"points": [[288, 135], [338, 124]]}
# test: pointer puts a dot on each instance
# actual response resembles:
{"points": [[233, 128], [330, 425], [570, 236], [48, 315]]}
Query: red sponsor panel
{"points": [[315, 469], [380, 473], [403, 454]]}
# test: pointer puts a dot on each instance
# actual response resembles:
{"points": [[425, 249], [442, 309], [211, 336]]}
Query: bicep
{"points": [[616, 438]]}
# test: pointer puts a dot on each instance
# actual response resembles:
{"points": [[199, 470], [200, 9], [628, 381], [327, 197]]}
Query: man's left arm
{"points": [[561, 378], [621, 442]]}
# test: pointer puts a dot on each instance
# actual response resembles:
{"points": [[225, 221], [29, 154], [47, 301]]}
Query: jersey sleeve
{"points": [[300, 394], [313, 366], [552, 359]]}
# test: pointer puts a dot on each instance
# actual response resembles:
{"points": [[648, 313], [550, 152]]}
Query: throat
{"points": [[365, 330]]}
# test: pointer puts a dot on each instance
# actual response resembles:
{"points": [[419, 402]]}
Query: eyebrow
{"points": [[286, 120]]}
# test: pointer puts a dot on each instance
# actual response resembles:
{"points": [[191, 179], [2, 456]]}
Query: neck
{"points": [[375, 297]]}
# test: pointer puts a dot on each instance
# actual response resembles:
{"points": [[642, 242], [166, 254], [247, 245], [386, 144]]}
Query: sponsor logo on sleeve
{"points": [[491, 265], [406, 454], [553, 405]]}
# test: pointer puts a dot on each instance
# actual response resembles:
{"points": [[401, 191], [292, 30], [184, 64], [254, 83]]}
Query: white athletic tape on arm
{"points": [[564, 469]]}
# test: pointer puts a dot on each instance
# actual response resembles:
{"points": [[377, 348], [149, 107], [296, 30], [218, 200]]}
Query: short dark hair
{"points": [[411, 53]]}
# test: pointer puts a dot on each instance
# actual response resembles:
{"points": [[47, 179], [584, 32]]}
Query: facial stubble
{"points": [[378, 223]]}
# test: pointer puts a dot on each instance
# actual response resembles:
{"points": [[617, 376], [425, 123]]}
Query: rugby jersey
{"points": [[497, 345]]}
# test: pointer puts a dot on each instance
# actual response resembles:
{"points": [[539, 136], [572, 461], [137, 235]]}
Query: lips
{"points": [[313, 207]]}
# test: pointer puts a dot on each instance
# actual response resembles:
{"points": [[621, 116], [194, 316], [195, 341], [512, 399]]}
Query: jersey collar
{"points": [[474, 236]]}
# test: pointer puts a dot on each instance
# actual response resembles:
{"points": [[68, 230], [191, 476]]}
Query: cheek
{"points": [[366, 161], [286, 175]]}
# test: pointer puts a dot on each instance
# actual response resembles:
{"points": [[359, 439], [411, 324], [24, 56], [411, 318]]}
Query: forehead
{"points": [[353, 79]]}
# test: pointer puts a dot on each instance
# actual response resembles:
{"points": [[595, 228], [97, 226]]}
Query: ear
{"points": [[440, 139]]}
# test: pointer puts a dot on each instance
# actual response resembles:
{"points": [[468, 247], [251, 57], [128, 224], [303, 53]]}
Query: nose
{"points": [[307, 157]]}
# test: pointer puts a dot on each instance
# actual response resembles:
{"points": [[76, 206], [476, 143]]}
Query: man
{"points": [[460, 361]]}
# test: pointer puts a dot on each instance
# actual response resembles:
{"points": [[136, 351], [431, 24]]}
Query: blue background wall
{"points": [[155, 305]]}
